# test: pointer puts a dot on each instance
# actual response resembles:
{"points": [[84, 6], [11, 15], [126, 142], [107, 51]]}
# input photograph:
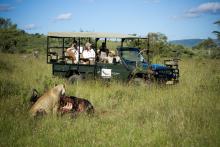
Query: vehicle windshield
{"points": [[132, 55]]}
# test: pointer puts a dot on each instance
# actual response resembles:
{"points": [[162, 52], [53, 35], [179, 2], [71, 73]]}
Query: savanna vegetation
{"points": [[186, 114]]}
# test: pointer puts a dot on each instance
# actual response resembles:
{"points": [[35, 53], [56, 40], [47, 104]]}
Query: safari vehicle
{"points": [[128, 62]]}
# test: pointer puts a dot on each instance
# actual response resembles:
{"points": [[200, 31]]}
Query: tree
{"points": [[11, 37], [217, 32], [6, 24], [158, 43], [206, 44], [208, 47]]}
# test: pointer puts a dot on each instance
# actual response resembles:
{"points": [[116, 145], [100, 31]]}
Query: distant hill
{"points": [[187, 42]]}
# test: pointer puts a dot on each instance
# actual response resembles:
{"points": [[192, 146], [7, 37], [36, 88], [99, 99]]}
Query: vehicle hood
{"points": [[159, 67], [145, 65]]}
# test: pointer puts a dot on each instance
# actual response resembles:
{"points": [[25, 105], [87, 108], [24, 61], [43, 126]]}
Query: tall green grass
{"points": [[186, 114]]}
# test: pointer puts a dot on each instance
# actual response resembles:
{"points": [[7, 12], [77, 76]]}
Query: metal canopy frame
{"points": [[89, 35]]}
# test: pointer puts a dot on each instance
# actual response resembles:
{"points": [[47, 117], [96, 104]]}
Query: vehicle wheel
{"points": [[137, 81], [74, 78]]}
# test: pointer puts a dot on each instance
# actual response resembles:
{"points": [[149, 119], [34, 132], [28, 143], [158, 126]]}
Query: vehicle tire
{"points": [[75, 78], [139, 81], [143, 80], [136, 80]]}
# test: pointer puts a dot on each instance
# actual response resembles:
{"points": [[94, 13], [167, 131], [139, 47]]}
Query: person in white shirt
{"points": [[88, 53]]}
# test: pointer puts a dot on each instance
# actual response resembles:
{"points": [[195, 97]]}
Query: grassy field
{"points": [[187, 114]]}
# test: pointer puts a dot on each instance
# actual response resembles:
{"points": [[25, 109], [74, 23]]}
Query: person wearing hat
{"points": [[88, 53]]}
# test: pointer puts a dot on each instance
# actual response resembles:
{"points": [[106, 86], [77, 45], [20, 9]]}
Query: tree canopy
{"points": [[10, 35], [17, 40], [217, 32]]}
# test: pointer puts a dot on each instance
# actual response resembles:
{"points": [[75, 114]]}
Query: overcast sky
{"points": [[177, 19]]}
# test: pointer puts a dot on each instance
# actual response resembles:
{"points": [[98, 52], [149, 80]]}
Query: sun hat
{"points": [[88, 45]]}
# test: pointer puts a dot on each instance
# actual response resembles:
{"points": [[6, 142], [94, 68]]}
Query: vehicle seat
{"points": [[53, 56]]}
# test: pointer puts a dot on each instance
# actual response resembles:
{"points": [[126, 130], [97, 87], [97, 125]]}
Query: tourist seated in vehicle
{"points": [[103, 53], [73, 53], [88, 54], [53, 55], [111, 58]]}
